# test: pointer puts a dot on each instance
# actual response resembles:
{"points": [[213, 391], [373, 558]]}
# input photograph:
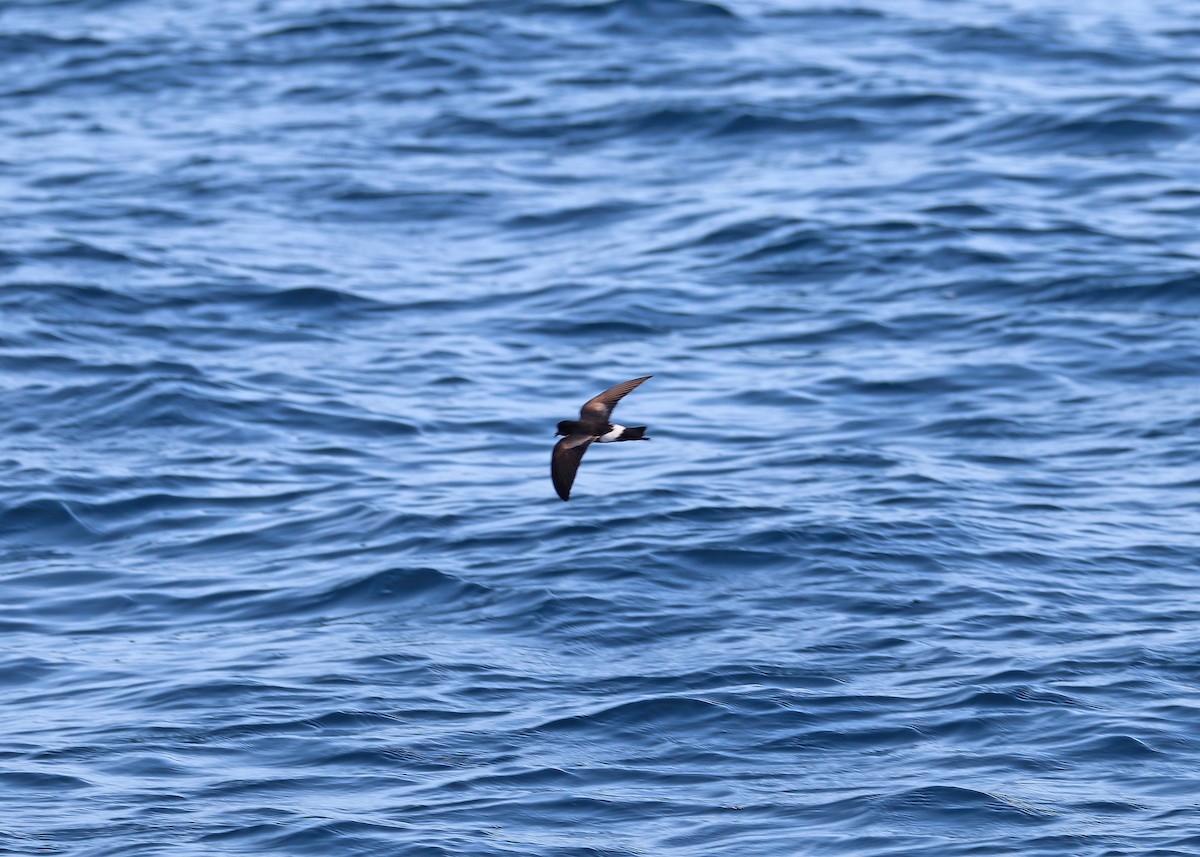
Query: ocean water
{"points": [[293, 292]]}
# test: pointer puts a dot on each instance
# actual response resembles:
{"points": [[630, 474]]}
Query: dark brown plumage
{"points": [[593, 425]]}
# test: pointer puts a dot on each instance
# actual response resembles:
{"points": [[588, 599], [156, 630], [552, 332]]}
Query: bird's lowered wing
{"points": [[601, 407], [564, 461]]}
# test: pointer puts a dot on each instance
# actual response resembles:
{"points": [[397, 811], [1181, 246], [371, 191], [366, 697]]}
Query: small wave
{"points": [[314, 299], [425, 590], [652, 17], [831, 12], [1115, 748], [806, 243], [757, 125], [585, 329], [968, 807], [643, 715], [26, 671], [983, 427], [750, 229], [44, 521], [40, 781], [576, 217], [42, 44], [402, 586], [1103, 133], [52, 297], [352, 20], [664, 122], [1169, 293], [363, 203], [286, 831]]}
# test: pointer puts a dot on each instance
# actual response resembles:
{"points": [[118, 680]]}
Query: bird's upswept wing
{"points": [[564, 461], [601, 407]]}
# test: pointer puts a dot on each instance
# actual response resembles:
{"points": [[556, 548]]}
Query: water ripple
{"points": [[294, 292]]}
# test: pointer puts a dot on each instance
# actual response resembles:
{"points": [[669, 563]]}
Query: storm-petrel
{"points": [[593, 425]]}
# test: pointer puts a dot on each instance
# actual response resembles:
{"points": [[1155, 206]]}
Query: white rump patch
{"points": [[612, 435]]}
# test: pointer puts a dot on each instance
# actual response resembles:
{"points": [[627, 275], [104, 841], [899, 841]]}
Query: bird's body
{"points": [[593, 426]]}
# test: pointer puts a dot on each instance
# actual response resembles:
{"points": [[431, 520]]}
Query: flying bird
{"points": [[593, 425]]}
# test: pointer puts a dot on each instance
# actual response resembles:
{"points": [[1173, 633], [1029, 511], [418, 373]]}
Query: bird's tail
{"points": [[634, 433]]}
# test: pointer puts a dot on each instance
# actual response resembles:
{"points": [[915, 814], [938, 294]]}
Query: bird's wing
{"points": [[568, 452], [601, 407]]}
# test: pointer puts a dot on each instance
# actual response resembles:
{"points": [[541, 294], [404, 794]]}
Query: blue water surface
{"points": [[293, 292]]}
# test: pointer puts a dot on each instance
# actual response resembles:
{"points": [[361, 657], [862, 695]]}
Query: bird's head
{"points": [[564, 428]]}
